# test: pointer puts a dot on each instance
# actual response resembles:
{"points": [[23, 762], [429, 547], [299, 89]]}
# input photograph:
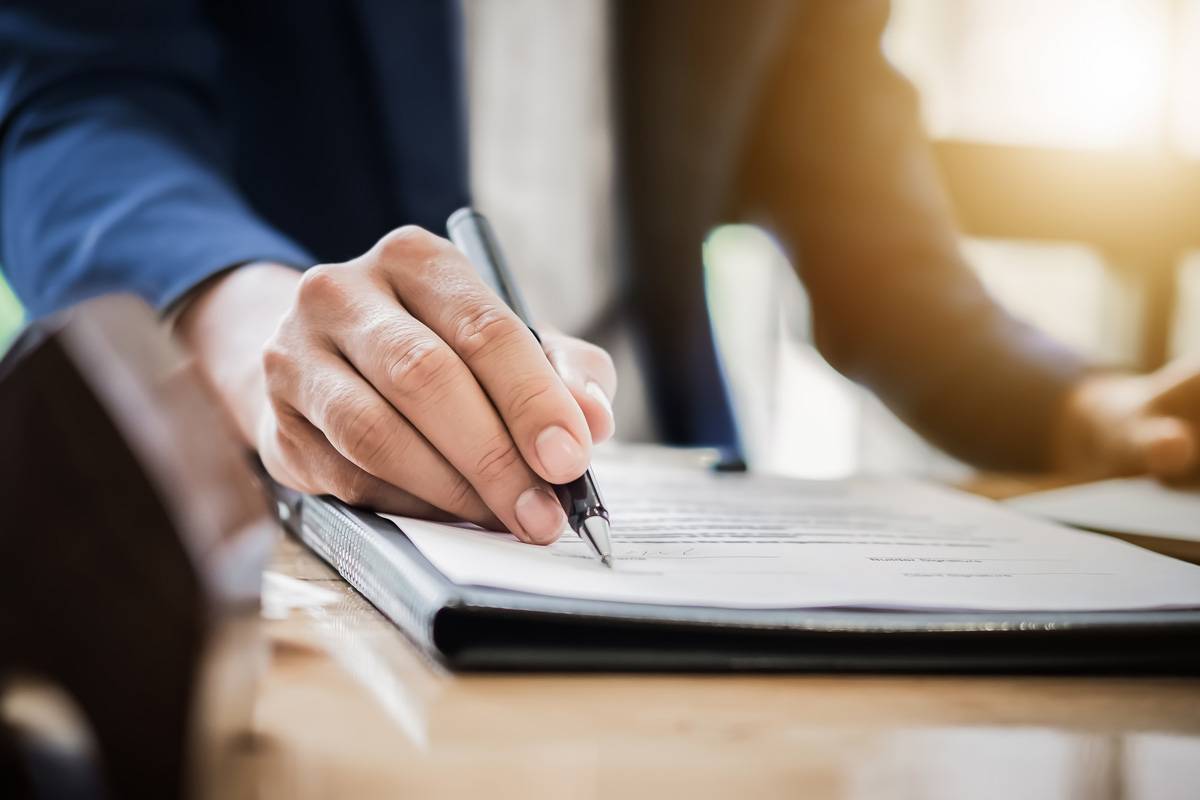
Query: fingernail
{"points": [[561, 456], [540, 515], [599, 396]]}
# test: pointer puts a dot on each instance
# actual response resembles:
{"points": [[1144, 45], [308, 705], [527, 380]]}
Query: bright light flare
{"points": [[1065, 73]]}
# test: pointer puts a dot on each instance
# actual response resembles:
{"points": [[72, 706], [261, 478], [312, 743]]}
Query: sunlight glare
{"points": [[1060, 73]]}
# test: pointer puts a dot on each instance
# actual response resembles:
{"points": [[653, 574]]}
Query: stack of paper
{"points": [[687, 537]]}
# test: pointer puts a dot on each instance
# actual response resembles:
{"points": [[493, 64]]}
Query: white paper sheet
{"points": [[1124, 505], [685, 537]]}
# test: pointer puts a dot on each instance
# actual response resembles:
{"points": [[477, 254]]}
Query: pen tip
{"points": [[595, 531]]}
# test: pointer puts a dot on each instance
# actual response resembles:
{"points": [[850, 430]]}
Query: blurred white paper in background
{"points": [[1140, 506]]}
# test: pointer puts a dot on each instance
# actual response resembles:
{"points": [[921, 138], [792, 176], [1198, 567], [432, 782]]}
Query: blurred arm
{"points": [[112, 173], [839, 168]]}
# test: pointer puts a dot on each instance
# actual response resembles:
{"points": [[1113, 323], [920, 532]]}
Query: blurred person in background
{"points": [[205, 155], [787, 115]]}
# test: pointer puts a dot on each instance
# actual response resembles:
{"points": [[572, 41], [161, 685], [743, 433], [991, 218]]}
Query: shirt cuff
{"points": [[212, 259]]}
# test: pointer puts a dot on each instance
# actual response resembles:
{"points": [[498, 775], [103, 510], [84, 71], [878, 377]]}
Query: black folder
{"points": [[483, 628]]}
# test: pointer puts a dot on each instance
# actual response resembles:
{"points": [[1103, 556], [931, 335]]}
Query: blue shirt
{"points": [[148, 144]]}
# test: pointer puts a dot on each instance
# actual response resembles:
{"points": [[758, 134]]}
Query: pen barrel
{"points": [[473, 235], [580, 499]]}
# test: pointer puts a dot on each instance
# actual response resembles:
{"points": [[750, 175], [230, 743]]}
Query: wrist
{"points": [[224, 324]]}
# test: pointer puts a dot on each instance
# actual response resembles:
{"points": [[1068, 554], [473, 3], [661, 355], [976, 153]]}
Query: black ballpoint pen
{"points": [[580, 498]]}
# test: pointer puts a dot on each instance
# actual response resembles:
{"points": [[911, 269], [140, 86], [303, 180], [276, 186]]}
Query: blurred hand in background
{"points": [[1118, 424]]}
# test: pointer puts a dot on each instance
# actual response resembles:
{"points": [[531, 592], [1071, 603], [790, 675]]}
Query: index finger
{"points": [[439, 286]]}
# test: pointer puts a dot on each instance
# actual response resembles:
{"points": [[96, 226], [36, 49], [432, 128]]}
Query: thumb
{"points": [[588, 373], [1166, 447]]}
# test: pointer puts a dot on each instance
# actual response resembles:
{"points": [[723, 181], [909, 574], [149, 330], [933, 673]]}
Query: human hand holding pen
{"points": [[580, 497], [399, 381]]}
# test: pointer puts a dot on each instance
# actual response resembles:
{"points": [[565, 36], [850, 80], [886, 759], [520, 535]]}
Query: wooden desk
{"points": [[348, 709]]}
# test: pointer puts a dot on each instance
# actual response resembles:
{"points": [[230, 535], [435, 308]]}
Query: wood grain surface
{"points": [[349, 709]]}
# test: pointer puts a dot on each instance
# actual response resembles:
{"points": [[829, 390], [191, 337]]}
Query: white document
{"points": [[1125, 505], [688, 537]]}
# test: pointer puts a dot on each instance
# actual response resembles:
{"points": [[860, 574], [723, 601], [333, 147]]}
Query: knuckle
{"points": [[286, 421], [484, 329], [363, 432], [323, 289], [285, 440], [276, 361], [351, 486], [331, 406], [603, 359], [497, 460], [420, 366], [527, 397], [290, 457], [276, 436], [596, 358], [321, 285], [408, 243], [608, 375], [460, 495], [602, 369], [579, 360]]}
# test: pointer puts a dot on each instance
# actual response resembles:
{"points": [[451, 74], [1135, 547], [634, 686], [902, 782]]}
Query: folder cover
{"points": [[472, 627]]}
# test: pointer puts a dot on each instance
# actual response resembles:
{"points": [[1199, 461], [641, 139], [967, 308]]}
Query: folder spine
{"points": [[397, 586]]}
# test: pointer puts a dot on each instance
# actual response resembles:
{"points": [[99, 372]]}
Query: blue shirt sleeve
{"points": [[114, 176]]}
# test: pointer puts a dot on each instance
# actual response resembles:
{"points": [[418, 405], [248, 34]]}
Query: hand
{"points": [[1129, 424], [400, 382]]}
